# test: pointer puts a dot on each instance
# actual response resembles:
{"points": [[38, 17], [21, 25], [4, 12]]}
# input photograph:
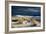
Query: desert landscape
{"points": [[25, 21], [25, 16]]}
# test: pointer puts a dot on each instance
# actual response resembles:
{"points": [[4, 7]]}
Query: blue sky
{"points": [[23, 10]]}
